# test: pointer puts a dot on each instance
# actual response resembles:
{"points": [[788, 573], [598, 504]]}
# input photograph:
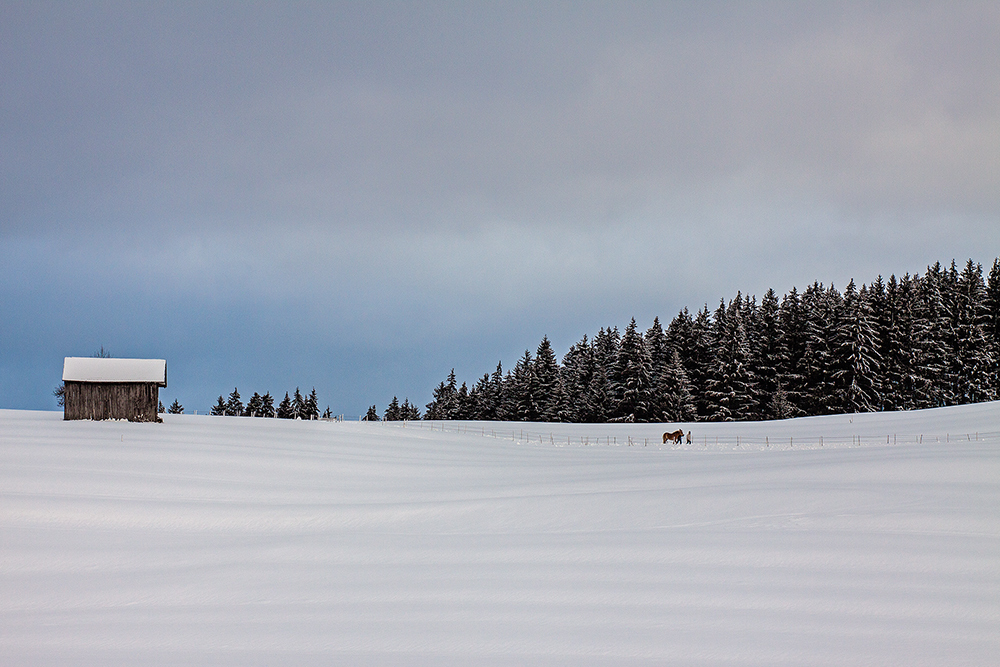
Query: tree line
{"points": [[294, 407], [918, 341]]}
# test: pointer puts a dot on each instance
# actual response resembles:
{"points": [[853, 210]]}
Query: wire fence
{"points": [[575, 435]]}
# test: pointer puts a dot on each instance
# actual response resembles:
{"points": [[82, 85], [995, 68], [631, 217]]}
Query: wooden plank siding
{"points": [[134, 401]]}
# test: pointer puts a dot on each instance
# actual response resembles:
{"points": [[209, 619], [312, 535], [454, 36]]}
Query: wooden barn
{"points": [[103, 388]]}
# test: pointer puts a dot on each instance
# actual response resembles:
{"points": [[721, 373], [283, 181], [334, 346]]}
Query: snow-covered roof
{"points": [[97, 369]]}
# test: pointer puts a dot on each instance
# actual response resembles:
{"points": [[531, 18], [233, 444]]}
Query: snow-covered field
{"points": [[238, 541]]}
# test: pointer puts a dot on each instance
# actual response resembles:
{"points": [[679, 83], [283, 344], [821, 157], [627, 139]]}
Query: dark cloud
{"points": [[357, 175]]}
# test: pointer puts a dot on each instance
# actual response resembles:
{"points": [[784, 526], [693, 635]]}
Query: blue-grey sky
{"points": [[358, 197]]}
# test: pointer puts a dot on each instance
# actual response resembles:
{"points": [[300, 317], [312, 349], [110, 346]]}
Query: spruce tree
{"points": [[675, 401], [754, 326], [267, 405], [298, 405], [446, 401], [973, 358], [253, 406], [434, 409], [310, 407], [524, 394], [285, 410], [894, 323], [220, 407], [372, 415], [933, 342], [792, 325], [822, 312], [680, 336], [655, 341], [634, 377], [392, 410], [769, 359], [881, 317], [992, 314], [602, 393], [409, 412], [574, 379], [700, 359], [479, 398], [497, 395], [175, 408], [729, 389], [855, 360], [546, 372], [451, 407], [463, 403], [560, 404]]}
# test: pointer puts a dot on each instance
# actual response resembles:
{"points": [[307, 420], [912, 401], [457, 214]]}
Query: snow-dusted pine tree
{"points": [[524, 390], [285, 410], [769, 360], [234, 406], [675, 401], [992, 307], [855, 359], [574, 379], [546, 371], [730, 386], [253, 406], [932, 342], [973, 352], [220, 407], [634, 378], [267, 405], [310, 406], [392, 410], [822, 312]]}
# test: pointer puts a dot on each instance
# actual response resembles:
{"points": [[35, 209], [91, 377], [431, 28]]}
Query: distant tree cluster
{"points": [[915, 342], [296, 407], [400, 412]]}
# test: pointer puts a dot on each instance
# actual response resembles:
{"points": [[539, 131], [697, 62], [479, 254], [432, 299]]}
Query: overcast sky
{"points": [[358, 197]]}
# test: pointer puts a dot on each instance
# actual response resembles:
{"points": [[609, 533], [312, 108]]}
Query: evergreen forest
{"points": [[918, 341], [296, 407]]}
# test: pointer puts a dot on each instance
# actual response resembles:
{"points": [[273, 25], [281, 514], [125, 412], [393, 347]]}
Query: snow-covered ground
{"points": [[238, 541]]}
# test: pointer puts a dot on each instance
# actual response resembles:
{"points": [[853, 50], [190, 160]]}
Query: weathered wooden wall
{"points": [[134, 401]]}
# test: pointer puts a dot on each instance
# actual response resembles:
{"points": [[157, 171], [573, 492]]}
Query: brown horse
{"points": [[674, 436]]}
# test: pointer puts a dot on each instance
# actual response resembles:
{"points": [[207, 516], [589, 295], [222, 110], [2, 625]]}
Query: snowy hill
{"points": [[864, 539]]}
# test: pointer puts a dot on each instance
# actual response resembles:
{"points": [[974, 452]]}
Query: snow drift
{"points": [[241, 541]]}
